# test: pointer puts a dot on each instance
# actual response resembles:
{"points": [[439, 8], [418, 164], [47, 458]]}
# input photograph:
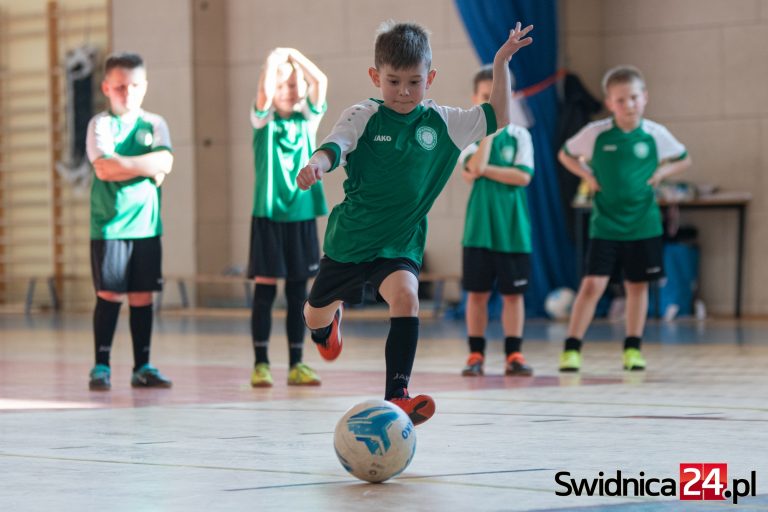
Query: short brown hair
{"points": [[124, 60], [402, 46], [483, 74], [622, 75]]}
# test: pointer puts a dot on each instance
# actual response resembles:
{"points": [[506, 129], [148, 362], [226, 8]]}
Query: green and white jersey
{"points": [[625, 208], [396, 166], [497, 213], [281, 147], [125, 209]]}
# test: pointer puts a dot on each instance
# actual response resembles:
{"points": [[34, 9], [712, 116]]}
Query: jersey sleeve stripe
{"points": [[333, 148], [490, 119]]}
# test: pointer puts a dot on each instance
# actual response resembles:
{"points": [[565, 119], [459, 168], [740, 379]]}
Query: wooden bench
{"points": [[438, 280], [29, 296], [182, 280]]}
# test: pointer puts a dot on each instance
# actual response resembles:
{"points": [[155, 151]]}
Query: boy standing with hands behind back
{"points": [[398, 153], [622, 158]]}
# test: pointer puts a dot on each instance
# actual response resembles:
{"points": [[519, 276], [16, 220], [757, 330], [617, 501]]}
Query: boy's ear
{"points": [[105, 87], [375, 78], [431, 77]]}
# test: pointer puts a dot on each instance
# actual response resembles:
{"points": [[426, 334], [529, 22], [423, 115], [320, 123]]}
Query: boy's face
{"points": [[482, 92], [402, 89], [287, 93], [125, 89], [627, 101]]}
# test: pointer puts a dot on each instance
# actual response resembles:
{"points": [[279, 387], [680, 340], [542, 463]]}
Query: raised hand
{"points": [[516, 41]]}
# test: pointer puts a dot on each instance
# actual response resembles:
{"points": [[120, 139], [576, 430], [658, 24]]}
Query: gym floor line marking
{"points": [[634, 404], [164, 465], [426, 478], [606, 417]]}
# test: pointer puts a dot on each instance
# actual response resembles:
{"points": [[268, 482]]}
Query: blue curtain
{"points": [[488, 23]]}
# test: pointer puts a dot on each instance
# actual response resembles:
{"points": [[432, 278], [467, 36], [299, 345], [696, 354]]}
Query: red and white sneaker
{"points": [[331, 348], [419, 408]]}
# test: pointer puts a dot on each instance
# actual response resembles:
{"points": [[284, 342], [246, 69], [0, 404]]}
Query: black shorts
{"points": [[482, 267], [124, 266], [283, 249], [348, 281], [639, 260]]}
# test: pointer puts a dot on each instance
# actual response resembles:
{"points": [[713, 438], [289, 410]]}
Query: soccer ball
{"points": [[558, 303], [375, 440]]}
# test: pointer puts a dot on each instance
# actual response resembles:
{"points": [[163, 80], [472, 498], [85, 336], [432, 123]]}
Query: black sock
{"points": [[261, 319], [632, 342], [399, 353], [295, 295], [105, 316], [477, 344], [141, 333], [512, 344], [319, 335], [572, 344]]}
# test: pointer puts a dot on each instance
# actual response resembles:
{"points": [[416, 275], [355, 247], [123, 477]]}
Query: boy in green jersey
{"points": [[497, 235], [130, 150], [284, 244], [398, 153], [622, 158]]}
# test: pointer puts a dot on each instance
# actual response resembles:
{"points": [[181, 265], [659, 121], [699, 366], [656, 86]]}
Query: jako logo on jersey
{"points": [[641, 150], [382, 138], [610, 147], [426, 136]]}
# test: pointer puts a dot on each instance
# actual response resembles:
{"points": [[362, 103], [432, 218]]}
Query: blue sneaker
{"points": [[149, 377], [100, 375]]}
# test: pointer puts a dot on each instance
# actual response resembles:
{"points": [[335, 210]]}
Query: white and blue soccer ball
{"points": [[558, 303], [375, 440]]}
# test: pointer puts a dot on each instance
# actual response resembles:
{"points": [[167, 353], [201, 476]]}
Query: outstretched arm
{"points": [[319, 164], [501, 94], [316, 79]]}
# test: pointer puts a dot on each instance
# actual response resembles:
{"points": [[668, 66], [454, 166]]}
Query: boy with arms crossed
{"points": [[130, 150]]}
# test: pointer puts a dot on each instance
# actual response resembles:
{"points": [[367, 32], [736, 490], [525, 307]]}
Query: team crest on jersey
{"points": [[426, 136], [508, 154], [144, 137], [641, 150]]}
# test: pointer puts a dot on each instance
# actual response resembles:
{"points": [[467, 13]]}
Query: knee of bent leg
{"points": [[404, 301]]}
